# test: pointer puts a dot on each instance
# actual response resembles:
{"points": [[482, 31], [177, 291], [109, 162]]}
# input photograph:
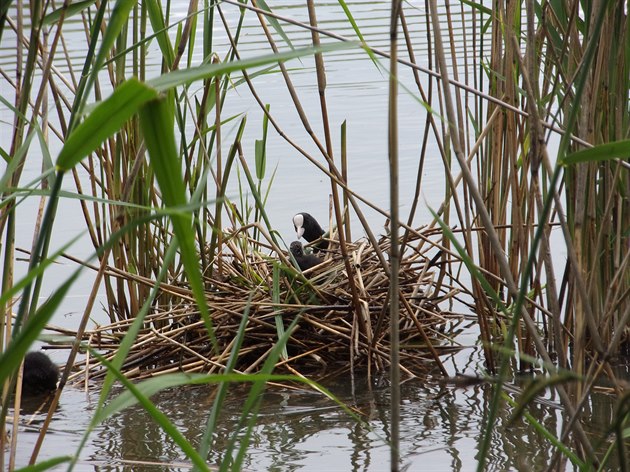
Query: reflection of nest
{"points": [[329, 336]]}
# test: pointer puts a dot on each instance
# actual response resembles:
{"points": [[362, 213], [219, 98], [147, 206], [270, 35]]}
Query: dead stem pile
{"points": [[332, 333]]}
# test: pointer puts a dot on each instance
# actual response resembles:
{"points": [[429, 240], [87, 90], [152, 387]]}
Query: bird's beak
{"points": [[299, 231]]}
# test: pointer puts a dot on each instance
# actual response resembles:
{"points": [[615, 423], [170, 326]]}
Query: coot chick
{"points": [[306, 226], [40, 374], [305, 261]]}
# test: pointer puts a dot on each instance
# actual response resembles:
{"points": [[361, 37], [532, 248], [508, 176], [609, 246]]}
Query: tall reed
{"points": [[531, 120]]}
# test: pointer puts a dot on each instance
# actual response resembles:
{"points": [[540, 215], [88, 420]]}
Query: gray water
{"points": [[302, 430]]}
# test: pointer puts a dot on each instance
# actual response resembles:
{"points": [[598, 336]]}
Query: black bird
{"points": [[305, 261], [306, 226], [40, 374]]}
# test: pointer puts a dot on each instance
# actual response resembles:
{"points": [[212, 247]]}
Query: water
{"points": [[302, 430]]}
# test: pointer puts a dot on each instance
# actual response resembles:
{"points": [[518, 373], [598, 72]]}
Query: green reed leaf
{"points": [[158, 417], [275, 298], [275, 23], [156, 121], [156, 16], [187, 76], [478, 6], [45, 465], [15, 352], [544, 432], [70, 10], [105, 120], [260, 149], [601, 152], [222, 390], [15, 162]]}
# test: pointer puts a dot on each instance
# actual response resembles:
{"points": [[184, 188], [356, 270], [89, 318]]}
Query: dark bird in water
{"points": [[306, 226], [305, 261], [40, 374]]}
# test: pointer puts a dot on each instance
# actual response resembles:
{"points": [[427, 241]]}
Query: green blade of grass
{"points": [[15, 162], [601, 152], [45, 465], [549, 436], [536, 387], [35, 272], [224, 182], [130, 96], [275, 23], [186, 76], [117, 21], [275, 299], [357, 31], [160, 418], [157, 126], [260, 149], [104, 121], [156, 17], [150, 387], [213, 418], [16, 350], [254, 399], [70, 10], [48, 167], [128, 339], [111, 114], [477, 6]]}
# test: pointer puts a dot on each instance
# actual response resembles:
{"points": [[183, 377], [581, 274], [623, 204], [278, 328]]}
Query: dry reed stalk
{"points": [[394, 251], [321, 84]]}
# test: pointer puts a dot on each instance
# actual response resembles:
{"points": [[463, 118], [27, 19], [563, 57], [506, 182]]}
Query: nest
{"points": [[342, 321]]}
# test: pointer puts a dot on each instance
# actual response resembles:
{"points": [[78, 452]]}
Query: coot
{"points": [[40, 374], [306, 226], [305, 261]]}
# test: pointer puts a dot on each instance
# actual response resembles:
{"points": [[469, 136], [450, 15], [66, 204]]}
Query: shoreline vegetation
{"points": [[530, 117]]}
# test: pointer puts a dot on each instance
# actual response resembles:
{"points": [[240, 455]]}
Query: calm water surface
{"points": [[299, 430]]}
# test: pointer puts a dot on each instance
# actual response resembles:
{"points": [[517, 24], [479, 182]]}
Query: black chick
{"points": [[305, 261], [306, 226], [40, 374]]}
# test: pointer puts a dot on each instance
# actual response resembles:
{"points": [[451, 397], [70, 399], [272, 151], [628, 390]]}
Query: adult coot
{"points": [[305, 261], [40, 374], [306, 226]]}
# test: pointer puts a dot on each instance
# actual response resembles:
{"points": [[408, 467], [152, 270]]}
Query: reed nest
{"points": [[333, 333]]}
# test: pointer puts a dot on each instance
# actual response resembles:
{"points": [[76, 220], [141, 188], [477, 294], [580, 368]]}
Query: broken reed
{"points": [[327, 339]]}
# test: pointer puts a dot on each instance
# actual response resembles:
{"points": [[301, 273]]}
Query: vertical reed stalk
{"points": [[218, 226], [344, 175], [394, 252], [321, 83]]}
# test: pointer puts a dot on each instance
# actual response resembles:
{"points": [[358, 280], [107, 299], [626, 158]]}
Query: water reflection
{"points": [[70, 420], [301, 430]]}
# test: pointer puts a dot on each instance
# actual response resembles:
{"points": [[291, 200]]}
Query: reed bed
{"points": [[329, 336], [527, 76]]}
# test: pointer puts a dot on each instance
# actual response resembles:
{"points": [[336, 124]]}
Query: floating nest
{"points": [[342, 321]]}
